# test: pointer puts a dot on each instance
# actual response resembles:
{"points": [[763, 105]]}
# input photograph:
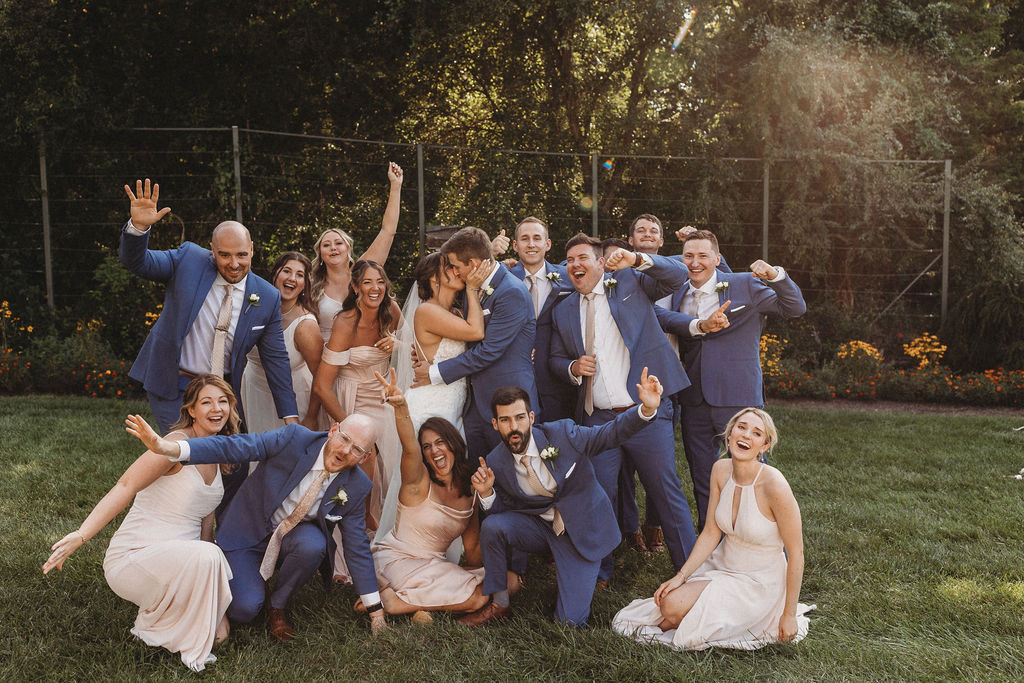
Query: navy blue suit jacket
{"points": [[286, 456], [631, 305], [502, 357], [584, 506], [557, 398], [189, 272], [724, 367]]}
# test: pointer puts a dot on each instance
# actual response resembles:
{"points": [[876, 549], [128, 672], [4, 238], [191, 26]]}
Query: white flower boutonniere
{"points": [[488, 290], [254, 299], [554, 277], [721, 286], [610, 283], [340, 498], [549, 453]]}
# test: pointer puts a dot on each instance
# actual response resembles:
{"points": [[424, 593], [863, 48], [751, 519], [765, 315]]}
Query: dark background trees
{"points": [[819, 88]]}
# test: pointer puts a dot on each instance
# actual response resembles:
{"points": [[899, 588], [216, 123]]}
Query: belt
{"points": [[623, 408]]}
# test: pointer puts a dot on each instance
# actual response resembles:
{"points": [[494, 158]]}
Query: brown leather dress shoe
{"points": [[601, 585], [636, 541], [655, 538], [489, 612], [280, 629]]}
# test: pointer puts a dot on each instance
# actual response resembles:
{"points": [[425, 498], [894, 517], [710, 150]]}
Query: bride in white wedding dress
{"points": [[434, 327]]}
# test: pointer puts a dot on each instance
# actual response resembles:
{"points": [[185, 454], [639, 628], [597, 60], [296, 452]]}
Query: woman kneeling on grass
{"points": [[743, 592], [163, 557]]}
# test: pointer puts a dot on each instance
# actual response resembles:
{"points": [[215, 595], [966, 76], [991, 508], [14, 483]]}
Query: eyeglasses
{"points": [[347, 441]]}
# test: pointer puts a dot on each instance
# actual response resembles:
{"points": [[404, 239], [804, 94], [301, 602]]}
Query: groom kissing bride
{"points": [[503, 356]]}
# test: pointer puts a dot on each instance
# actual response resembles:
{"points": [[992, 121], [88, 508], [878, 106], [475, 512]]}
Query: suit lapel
{"points": [[677, 298], [577, 326], [302, 466], [202, 290]]}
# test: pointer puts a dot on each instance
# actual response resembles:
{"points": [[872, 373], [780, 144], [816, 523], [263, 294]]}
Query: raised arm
{"points": [[441, 323], [415, 478], [381, 246], [662, 277], [134, 250], [146, 469]]}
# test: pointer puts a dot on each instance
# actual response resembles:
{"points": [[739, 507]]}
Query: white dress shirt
{"points": [[612, 355], [539, 469], [709, 299], [541, 284]]}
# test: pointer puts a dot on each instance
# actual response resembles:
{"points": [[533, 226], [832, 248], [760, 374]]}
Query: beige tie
{"points": [[534, 288], [588, 347], [695, 303], [288, 523], [557, 525], [220, 333]]}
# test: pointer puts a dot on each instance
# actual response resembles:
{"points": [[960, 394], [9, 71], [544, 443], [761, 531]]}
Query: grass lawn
{"points": [[912, 529]]}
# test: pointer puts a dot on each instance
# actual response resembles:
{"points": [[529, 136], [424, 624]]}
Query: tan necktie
{"points": [[288, 523], [695, 303], [220, 333], [531, 284], [588, 347], [557, 525]]}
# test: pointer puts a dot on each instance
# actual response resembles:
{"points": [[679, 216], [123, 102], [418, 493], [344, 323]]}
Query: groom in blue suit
{"points": [[625, 338], [292, 460], [541, 494], [182, 341], [718, 317], [502, 357], [547, 284]]}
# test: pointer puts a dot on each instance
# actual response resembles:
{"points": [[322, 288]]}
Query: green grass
{"points": [[912, 528]]}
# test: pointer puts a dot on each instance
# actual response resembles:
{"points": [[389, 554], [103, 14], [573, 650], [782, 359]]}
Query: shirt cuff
{"points": [[185, 453], [645, 261], [287, 416], [370, 599], [487, 502], [781, 276], [132, 230], [639, 409], [573, 378], [435, 375], [693, 328]]}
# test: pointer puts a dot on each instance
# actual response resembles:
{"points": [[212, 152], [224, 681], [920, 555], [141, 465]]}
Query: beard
{"points": [[521, 444]]}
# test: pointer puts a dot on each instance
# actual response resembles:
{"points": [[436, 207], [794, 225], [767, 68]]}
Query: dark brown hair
{"points": [[306, 295], [430, 265], [468, 243], [702, 235], [462, 469], [579, 238], [384, 315], [506, 396], [646, 216]]}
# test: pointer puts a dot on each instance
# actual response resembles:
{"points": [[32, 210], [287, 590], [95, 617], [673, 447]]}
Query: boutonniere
{"points": [[254, 299], [487, 290], [610, 283], [549, 453], [340, 498], [554, 277], [721, 286]]}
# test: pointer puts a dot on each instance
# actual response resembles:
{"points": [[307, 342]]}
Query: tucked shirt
{"points": [[612, 355]]}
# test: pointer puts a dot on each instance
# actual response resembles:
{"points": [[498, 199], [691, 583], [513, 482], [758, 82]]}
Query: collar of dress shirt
{"points": [[531, 449], [240, 285], [599, 288], [709, 286], [490, 277], [541, 273]]}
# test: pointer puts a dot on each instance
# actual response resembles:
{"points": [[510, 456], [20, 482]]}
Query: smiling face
{"points": [[290, 281], [646, 236], [371, 289], [531, 243], [748, 438], [232, 251], [348, 443], [210, 410], [701, 259], [585, 267], [437, 454], [334, 249], [513, 423]]}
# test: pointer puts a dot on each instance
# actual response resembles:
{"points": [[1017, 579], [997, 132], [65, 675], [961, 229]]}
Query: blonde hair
{"points": [[771, 434], [318, 276]]}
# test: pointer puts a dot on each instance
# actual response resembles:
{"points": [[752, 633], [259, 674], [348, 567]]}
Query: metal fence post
{"points": [[593, 195], [44, 196], [945, 237], [765, 211], [238, 173], [419, 193]]}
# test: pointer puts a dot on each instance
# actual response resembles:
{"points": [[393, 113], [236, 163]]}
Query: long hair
{"points": [[771, 434], [319, 268], [191, 396], [463, 469], [305, 295], [384, 315], [427, 267]]}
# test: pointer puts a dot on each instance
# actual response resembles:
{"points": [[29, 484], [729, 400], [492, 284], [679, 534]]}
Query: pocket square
{"points": [[738, 308], [487, 311], [333, 518], [258, 327], [569, 471]]}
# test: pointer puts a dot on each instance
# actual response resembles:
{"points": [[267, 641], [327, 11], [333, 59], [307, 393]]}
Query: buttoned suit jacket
{"points": [[189, 271], [582, 503], [557, 398], [502, 357], [285, 456], [630, 301], [724, 367]]}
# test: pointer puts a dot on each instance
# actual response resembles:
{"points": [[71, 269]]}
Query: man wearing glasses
{"points": [[283, 516]]}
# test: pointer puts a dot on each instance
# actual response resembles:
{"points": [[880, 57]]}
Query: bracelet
{"points": [[473, 289], [80, 535], [375, 608]]}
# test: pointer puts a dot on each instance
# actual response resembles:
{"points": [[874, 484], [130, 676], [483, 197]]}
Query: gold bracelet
{"points": [[80, 535]]}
